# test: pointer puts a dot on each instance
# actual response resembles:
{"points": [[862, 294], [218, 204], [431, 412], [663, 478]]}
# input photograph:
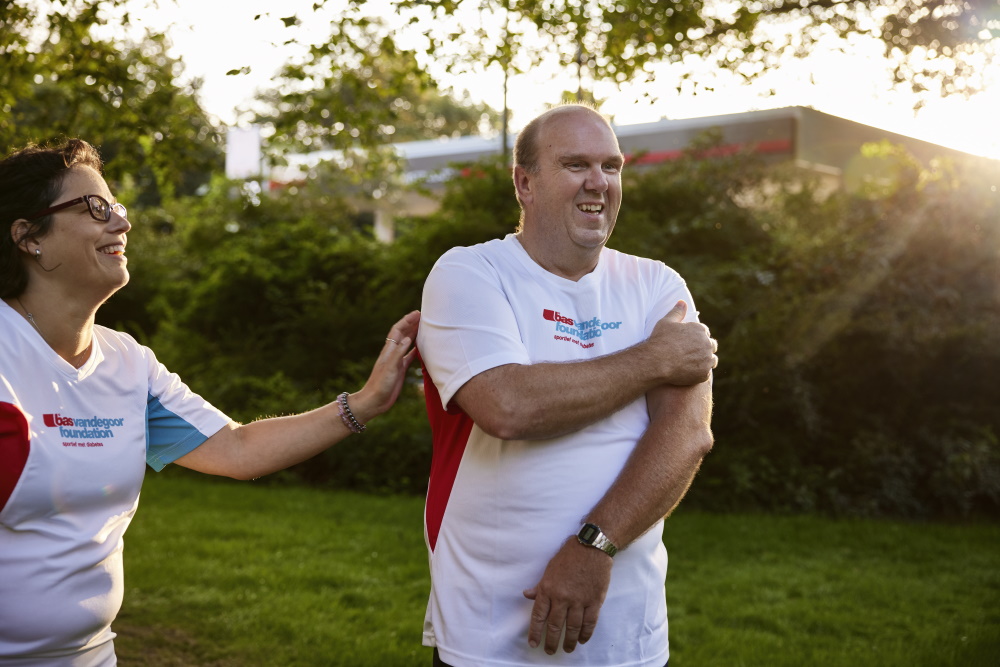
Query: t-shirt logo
{"points": [[86, 428], [576, 330]]}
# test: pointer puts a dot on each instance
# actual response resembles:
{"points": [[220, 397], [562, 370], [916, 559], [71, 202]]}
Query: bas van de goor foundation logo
{"points": [[86, 428], [575, 330]]}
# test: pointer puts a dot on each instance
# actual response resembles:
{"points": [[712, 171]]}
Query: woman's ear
{"points": [[20, 233]]}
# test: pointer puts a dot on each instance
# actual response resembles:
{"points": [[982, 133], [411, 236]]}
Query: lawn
{"points": [[225, 573]]}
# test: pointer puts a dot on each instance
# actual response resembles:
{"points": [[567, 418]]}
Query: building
{"points": [[824, 144]]}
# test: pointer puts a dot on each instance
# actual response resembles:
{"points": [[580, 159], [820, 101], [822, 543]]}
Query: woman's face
{"points": [[79, 251]]}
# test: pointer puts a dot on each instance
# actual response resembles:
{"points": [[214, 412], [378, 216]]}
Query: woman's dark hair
{"points": [[30, 180]]}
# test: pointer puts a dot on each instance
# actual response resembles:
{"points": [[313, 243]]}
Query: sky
{"points": [[213, 37]]}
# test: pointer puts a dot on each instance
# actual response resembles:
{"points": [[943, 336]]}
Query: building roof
{"points": [[798, 133], [820, 141]]}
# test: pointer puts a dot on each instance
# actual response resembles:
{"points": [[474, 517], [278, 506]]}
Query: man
{"points": [[570, 407]]}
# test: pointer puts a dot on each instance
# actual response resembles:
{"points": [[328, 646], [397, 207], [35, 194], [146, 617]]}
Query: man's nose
{"points": [[597, 180]]}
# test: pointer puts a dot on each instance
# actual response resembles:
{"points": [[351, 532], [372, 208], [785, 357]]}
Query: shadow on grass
{"points": [[162, 647]]}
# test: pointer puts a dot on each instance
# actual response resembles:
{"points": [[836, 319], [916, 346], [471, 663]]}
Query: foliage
{"points": [[393, 455], [620, 40], [477, 206], [359, 89], [63, 78], [858, 334], [246, 293], [858, 331], [274, 304]]}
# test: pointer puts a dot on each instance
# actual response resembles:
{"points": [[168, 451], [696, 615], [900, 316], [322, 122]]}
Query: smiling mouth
{"points": [[591, 208], [117, 249]]}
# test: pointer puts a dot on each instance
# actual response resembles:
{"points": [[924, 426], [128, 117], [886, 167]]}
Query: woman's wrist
{"points": [[362, 406], [347, 416]]}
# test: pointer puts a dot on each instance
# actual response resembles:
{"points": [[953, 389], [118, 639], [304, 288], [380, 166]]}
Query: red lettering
{"points": [[555, 316]]}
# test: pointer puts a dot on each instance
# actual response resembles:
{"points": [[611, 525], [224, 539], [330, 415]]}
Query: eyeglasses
{"points": [[100, 209]]}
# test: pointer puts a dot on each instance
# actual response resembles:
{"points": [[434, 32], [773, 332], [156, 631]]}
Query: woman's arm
{"points": [[268, 445]]}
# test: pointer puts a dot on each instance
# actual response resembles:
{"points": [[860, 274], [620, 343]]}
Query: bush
{"points": [[859, 332]]}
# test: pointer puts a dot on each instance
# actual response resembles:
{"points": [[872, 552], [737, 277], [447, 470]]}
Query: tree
{"points": [[359, 89], [62, 78], [932, 44], [858, 333]]}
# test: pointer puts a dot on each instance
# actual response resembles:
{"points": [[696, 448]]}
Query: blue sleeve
{"points": [[168, 436]]}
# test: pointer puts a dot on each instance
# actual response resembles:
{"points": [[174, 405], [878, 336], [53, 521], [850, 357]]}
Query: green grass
{"points": [[764, 590], [225, 573]]}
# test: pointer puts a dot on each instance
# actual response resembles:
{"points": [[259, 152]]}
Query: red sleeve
{"points": [[450, 432], [14, 447]]}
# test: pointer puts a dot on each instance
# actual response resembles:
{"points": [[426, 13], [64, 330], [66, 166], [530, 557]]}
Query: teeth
{"points": [[591, 208], [113, 250]]}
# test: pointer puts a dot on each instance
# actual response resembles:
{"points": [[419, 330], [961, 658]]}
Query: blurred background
{"points": [[824, 174]]}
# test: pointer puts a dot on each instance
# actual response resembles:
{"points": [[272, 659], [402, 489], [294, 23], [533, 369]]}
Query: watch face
{"points": [[589, 533]]}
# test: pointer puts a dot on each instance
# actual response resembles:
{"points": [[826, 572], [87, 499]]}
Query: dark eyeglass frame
{"points": [[108, 207]]}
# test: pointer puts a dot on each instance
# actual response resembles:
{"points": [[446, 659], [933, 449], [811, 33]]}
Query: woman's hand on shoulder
{"points": [[389, 373]]}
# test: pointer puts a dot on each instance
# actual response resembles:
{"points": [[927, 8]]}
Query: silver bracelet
{"points": [[350, 421]]}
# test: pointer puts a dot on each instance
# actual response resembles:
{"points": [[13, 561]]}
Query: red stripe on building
{"points": [[766, 147]]}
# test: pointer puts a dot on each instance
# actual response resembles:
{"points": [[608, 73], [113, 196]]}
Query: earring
{"points": [[38, 252]]}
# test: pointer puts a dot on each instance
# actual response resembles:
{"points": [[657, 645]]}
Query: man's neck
{"points": [[569, 265]]}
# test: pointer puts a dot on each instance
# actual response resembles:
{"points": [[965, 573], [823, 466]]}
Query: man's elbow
{"points": [[700, 443], [501, 421], [502, 415]]}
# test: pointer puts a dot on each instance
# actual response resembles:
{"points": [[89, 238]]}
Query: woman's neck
{"points": [[67, 327]]}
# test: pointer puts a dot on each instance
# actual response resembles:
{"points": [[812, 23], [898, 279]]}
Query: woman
{"points": [[83, 409]]}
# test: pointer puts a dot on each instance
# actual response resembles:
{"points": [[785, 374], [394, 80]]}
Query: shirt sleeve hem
{"points": [[475, 368], [165, 456]]}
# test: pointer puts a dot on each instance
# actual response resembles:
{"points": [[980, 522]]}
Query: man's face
{"points": [[573, 199]]}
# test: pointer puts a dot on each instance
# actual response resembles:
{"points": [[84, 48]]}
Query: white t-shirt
{"points": [[497, 511], [74, 444]]}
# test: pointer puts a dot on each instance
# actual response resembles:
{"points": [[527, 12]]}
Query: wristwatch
{"points": [[592, 536]]}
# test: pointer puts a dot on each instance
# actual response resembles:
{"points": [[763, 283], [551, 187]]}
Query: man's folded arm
{"points": [[656, 476], [662, 466], [546, 400]]}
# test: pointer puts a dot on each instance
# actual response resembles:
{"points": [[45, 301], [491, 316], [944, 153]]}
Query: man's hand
{"points": [[687, 348], [570, 594]]}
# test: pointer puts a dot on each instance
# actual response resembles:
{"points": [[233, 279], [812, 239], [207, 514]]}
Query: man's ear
{"points": [[522, 183]]}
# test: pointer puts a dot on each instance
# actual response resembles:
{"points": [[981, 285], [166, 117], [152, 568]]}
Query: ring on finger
{"points": [[392, 340]]}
